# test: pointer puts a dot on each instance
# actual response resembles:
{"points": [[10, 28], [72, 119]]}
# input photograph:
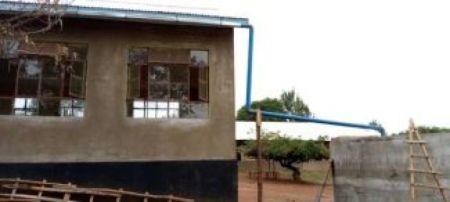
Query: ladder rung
{"points": [[416, 142], [429, 186], [419, 156], [424, 171]]}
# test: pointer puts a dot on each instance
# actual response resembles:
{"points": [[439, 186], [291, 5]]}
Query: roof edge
{"points": [[133, 15]]}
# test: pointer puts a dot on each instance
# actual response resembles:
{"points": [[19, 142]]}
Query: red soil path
{"points": [[282, 191]]}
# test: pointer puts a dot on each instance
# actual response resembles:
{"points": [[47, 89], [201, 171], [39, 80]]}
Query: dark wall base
{"points": [[200, 180]]}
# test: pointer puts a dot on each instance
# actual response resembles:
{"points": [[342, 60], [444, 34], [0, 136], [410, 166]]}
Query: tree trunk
{"points": [[295, 171]]}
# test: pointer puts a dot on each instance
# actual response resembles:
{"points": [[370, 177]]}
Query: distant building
{"points": [[120, 98]]}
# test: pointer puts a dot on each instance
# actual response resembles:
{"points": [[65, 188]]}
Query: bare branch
{"points": [[36, 17]]}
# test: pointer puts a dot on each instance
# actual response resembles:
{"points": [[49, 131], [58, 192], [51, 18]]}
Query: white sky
{"points": [[352, 60]]}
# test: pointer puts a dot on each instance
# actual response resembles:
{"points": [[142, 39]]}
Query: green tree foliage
{"points": [[267, 104], [289, 102], [375, 123], [288, 151], [293, 104]]}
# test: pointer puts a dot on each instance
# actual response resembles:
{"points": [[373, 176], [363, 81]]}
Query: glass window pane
{"points": [[6, 106], [203, 82], [199, 58], [159, 73], [76, 86], [179, 74], [151, 113], [66, 103], [179, 91], [161, 113], [30, 68], [28, 87], [19, 103], [65, 111], [50, 69], [51, 87], [138, 104], [174, 105], [173, 113], [78, 103], [77, 112], [138, 113], [194, 110], [77, 52], [30, 113], [31, 103], [151, 105], [78, 68], [12, 46], [19, 112], [159, 91], [162, 105], [8, 74], [138, 56], [49, 108]]}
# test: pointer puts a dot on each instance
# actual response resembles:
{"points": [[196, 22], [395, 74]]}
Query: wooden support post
{"points": [[14, 190], [146, 197], [259, 154], [42, 187], [324, 182]]}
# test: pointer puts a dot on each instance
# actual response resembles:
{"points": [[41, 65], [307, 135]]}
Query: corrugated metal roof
{"points": [[135, 11]]}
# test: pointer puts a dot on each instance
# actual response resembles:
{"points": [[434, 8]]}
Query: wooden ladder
{"points": [[414, 140]]}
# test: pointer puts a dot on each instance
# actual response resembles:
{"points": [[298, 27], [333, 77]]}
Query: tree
{"points": [[267, 104], [39, 16], [375, 123], [289, 102], [293, 104], [288, 151]]}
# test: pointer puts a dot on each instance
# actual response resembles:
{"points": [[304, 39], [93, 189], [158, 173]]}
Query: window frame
{"points": [[62, 76], [206, 83]]}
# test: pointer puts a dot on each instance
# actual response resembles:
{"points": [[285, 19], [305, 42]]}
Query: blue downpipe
{"points": [[300, 118], [248, 99]]}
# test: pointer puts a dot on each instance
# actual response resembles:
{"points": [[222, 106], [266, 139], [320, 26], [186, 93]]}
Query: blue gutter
{"points": [[300, 118]]}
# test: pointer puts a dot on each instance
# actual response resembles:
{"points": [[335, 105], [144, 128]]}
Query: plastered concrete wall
{"points": [[106, 133], [375, 169]]}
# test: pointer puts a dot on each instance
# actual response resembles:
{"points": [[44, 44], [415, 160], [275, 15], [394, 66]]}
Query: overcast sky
{"points": [[352, 60]]}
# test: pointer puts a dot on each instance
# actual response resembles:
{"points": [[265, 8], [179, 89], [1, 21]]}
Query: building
{"points": [[134, 99]]}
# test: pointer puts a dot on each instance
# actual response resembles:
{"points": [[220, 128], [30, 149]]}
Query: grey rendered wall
{"points": [[375, 169], [106, 133]]}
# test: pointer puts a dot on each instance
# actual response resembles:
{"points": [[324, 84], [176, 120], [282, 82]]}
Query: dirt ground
{"points": [[282, 191]]}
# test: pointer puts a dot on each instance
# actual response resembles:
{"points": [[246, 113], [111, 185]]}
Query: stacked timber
{"points": [[18, 190]]}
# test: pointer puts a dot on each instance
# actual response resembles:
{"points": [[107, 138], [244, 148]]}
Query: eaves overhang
{"points": [[151, 16]]}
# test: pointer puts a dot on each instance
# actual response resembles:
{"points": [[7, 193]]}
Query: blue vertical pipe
{"points": [[248, 99]]}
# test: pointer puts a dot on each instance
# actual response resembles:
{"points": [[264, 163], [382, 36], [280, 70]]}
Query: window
{"points": [[46, 79], [168, 83]]}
